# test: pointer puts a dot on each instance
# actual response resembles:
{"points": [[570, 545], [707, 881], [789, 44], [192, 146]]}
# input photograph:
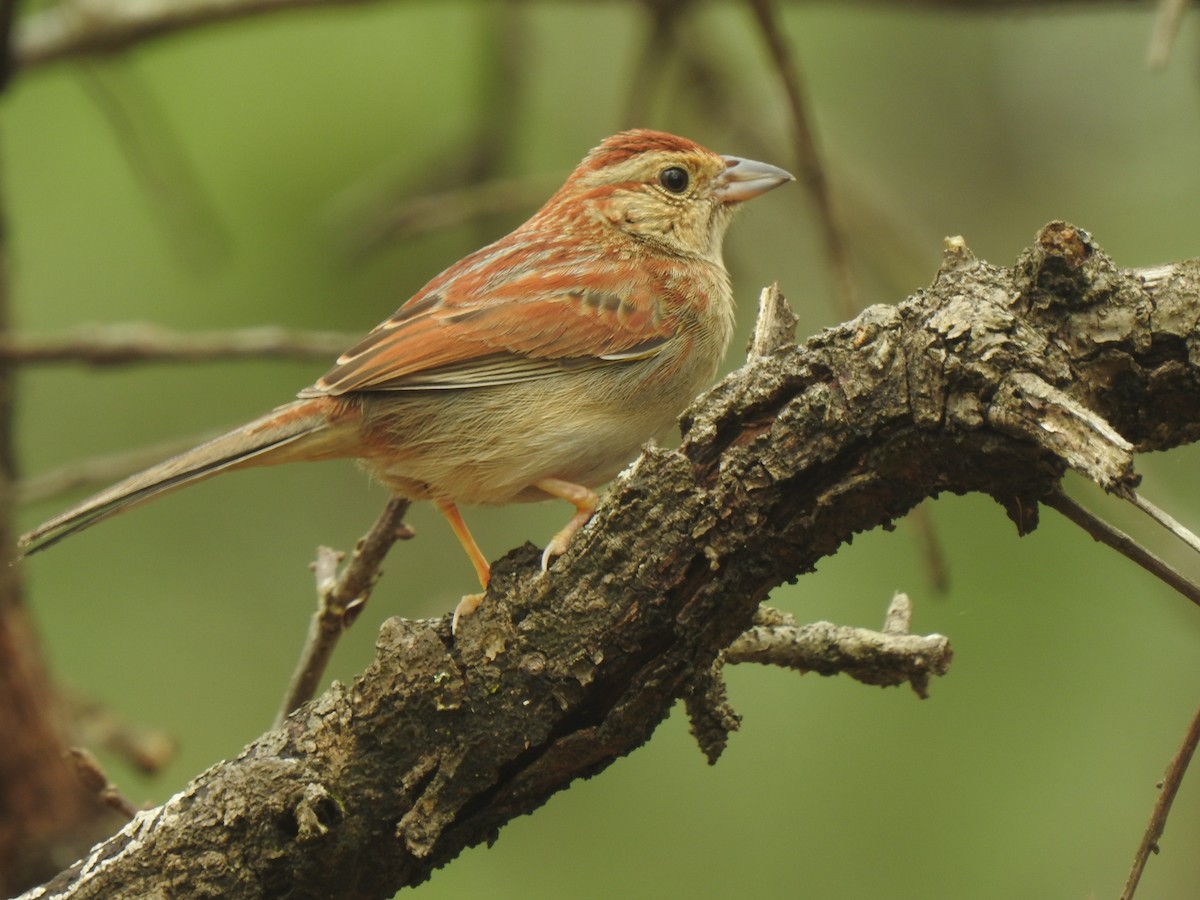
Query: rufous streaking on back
{"points": [[535, 367]]}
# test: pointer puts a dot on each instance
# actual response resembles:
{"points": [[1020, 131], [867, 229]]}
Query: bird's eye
{"points": [[674, 179]]}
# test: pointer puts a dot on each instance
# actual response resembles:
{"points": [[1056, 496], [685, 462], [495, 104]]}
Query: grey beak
{"points": [[746, 178]]}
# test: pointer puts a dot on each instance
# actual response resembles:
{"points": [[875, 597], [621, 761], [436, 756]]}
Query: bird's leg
{"points": [[469, 603], [583, 499]]}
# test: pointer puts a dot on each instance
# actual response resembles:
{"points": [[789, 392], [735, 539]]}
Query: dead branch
{"points": [[993, 379], [139, 342], [1167, 788], [74, 28], [341, 598]]}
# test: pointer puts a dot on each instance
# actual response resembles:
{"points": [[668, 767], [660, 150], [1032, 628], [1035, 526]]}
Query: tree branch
{"points": [[74, 28], [139, 342], [993, 379], [885, 658], [341, 599], [1167, 789]]}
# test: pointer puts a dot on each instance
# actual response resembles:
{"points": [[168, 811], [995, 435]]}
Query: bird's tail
{"points": [[301, 430]]}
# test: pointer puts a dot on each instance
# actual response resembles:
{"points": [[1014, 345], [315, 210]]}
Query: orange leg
{"points": [[478, 560], [583, 499], [470, 602]]}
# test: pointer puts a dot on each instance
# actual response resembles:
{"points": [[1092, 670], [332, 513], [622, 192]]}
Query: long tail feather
{"points": [[298, 430]]}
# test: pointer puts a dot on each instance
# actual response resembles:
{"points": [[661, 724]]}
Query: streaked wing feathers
{"points": [[534, 326]]}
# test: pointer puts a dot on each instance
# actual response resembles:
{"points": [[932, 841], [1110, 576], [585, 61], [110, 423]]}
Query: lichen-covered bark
{"points": [[992, 379]]}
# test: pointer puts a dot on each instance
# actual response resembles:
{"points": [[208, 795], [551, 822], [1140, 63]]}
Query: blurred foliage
{"points": [[258, 148]]}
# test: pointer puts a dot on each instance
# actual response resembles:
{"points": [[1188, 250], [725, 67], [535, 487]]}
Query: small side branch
{"points": [[1112, 536], [93, 723], [86, 27], [341, 598], [371, 226], [1162, 807], [1165, 519], [885, 658], [94, 780], [107, 345], [1167, 20]]}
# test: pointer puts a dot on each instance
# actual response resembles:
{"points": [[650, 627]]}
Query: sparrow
{"points": [[534, 368]]}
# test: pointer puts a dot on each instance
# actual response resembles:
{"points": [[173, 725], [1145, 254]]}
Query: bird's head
{"points": [[662, 189]]}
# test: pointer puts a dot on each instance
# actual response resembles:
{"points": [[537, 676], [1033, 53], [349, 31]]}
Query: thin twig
{"points": [[658, 46], [93, 723], [104, 345], [872, 657], [1162, 806], [373, 226], [812, 167], [932, 554], [501, 82], [1166, 29], [341, 598], [1123, 544], [93, 778], [73, 28], [88, 27], [1163, 518], [712, 82], [159, 161]]}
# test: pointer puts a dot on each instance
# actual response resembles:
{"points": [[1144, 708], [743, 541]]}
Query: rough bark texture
{"points": [[994, 380]]}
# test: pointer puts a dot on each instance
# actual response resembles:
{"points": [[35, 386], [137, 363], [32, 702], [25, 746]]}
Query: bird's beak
{"points": [[745, 178]]}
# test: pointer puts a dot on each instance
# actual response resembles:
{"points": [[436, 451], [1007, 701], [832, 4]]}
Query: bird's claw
{"points": [[466, 606], [553, 551]]}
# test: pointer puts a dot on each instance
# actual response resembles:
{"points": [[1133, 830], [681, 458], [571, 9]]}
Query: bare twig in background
{"points": [[466, 187], [1112, 536], [88, 27], [499, 103], [1166, 29], [1163, 518], [812, 168], [92, 723], [932, 555], [341, 598], [94, 780], [659, 45], [159, 161], [371, 226], [107, 345], [710, 85], [1162, 807], [73, 28]]}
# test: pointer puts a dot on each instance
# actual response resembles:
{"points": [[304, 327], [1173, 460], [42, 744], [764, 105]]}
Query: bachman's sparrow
{"points": [[533, 368]]}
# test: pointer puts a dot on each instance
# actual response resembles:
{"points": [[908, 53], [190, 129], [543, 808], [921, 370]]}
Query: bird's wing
{"points": [[542, 322]]}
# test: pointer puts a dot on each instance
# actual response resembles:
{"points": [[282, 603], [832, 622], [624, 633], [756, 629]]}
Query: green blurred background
{"points": [[1031, 770]]}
